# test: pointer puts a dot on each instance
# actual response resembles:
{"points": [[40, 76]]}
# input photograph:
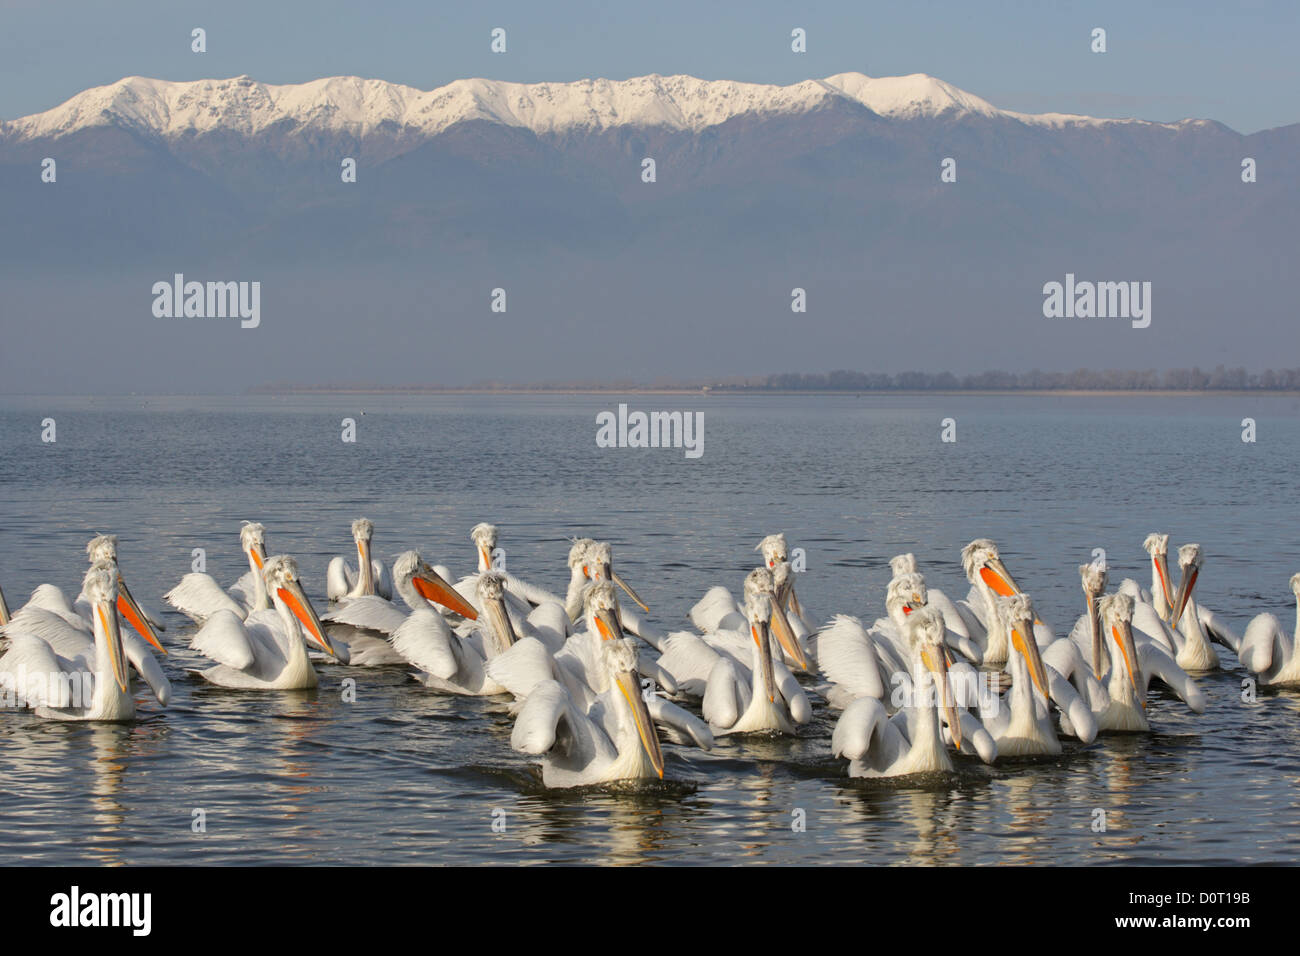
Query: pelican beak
{"points": [[1161, 564], [1185, 585], [1028, 648], [936, 660], [759, 632], [1094, 626], [116, 654], [129, 609], [484, 557], [499, 619], [258, 555], [607, 625], [995, 574], [4, 610], [1123, 635], [431, 586], [630, 686], [363, 554], [613, 576], [786, 638], [792, 599], [292, 595]]}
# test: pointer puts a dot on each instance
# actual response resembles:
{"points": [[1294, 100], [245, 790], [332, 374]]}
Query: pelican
{"points": [[1127, 668], [1161, 596], [70, 629], [1022, 725], [775, 554], [4, 610], [990, 582], [913, 740], [371, 576], [598, 732], [689, 659], [364, 624], [452, 664], [763, 698], [596, 559], [521, 595], [254, 654], [1194, 650], [198, 596], [1268, 651], [92, 685]]}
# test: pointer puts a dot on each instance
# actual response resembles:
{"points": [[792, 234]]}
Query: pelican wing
{"points": [[956, 619], [1147, 622], [709, 610], [1082, 720], [338, 578], [520, 669], [244, 590], [224, 639], [1216, 629], [1155, 661], [549, 624], [198, 596], [37, 675], [685, 725], [864, 733], [549, 723], [688, 660], [64, 637], [974, 736], [634, 624], [425, 640], [50, 598], [368, 612], [847, 656], [383, 580], [726, 695], [788, 686], [1264, 644], [146, 665]]}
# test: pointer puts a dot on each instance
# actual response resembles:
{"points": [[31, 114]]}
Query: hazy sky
{"points": [[1166, 60]]}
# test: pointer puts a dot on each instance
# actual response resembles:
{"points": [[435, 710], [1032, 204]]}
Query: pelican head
{"points": [[770, 583], [102, 547], [759, 611], [429, 584], [619, 657], [1094, 583], [925, 631], [100, 588], [252, 540], [773, 549], [281, 576], [578, 555], [1190, 560], [901, 564], [984, 566], [491, 590], [600, 567], [602, 611], [484, 536], [1018, 613], [1157, 545], [1117, 617], [905, 595], [1295, 588], [363, 529]]}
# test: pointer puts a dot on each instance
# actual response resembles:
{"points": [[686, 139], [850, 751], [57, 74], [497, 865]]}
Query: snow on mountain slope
{"points": [[159, 108]]}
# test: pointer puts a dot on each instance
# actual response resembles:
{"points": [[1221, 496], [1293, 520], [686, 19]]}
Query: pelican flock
{"points": [[599, 693]]}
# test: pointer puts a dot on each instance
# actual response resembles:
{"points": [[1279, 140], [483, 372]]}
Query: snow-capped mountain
{"points": [[360, 107]]}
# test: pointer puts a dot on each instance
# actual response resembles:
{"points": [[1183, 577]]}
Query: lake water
{"points": [[405, 776]]}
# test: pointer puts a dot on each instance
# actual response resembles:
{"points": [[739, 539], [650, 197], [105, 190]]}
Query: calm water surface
{"points": [[404, 776]]}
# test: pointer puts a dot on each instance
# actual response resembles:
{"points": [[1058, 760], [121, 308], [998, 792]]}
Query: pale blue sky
{"points": [[1235, 63]]}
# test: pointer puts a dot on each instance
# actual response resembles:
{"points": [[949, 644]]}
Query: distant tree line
{"points": [[1175, 379]]}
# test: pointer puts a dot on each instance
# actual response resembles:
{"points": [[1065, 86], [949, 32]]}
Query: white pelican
{"points": [[371, 576], [254, 654], [364, 624], [763, 698], [69, 629], [1127, 668], [689, 659], [521, 595], [990, 583], [1161, 596], [92, 685], [912, 741], [1022, 725], [198, 595], [1268, 651], [458, 665], [597, 564], [1194, 650]]}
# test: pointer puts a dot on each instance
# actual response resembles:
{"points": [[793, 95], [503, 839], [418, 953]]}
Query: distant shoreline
{"points": [[759, 391]]}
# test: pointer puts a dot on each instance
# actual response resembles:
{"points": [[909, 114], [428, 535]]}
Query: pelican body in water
{"points": [[371, 576], [255, 654], [1194, 650], [94, 684], [1022, 726], [601, 729], [912, 740], [1268, 652], [198, 596]]}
